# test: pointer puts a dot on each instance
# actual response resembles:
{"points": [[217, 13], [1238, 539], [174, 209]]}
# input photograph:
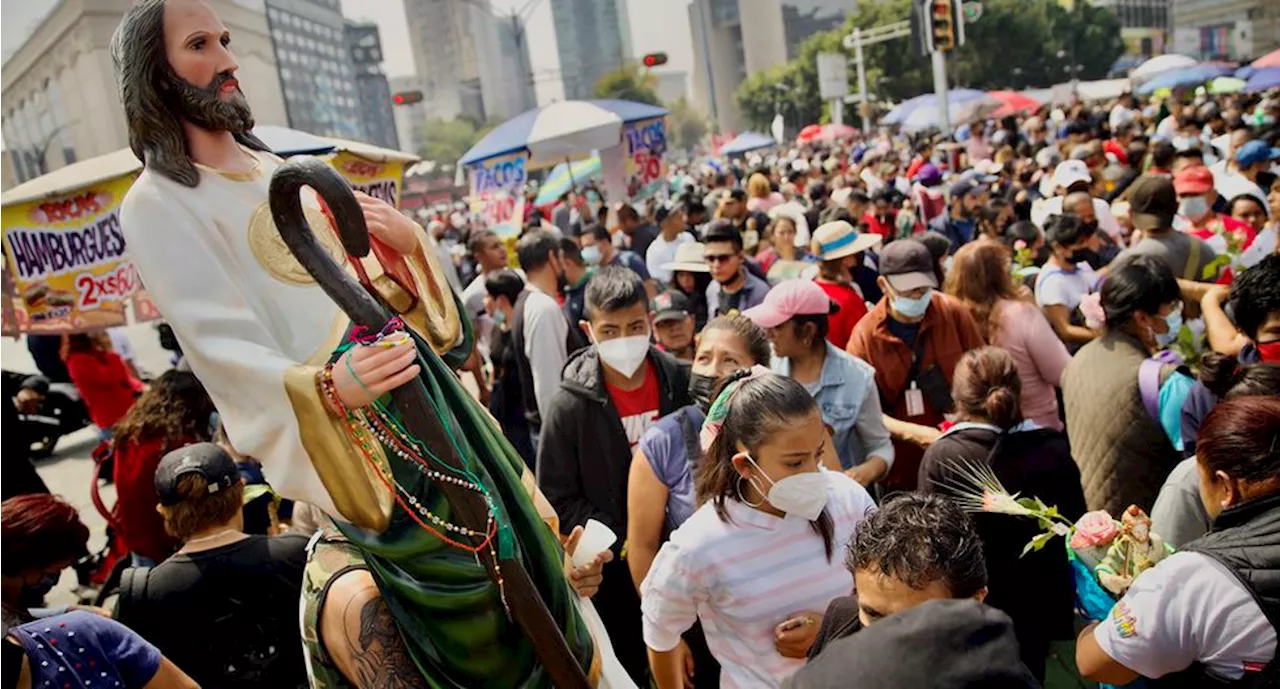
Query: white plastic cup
{"points": [[596, 538]]}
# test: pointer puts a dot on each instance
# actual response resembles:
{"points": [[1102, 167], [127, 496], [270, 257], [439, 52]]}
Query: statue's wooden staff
{"points": [[527, 606]]}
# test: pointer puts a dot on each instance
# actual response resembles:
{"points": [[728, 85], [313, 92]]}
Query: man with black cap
{"points": [[914, 338], [958, 223], [673, 324], [1154, 203], [670, 217], [224, 607]]}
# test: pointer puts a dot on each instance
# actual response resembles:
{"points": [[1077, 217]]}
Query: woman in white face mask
{"points": [[758, 560]]}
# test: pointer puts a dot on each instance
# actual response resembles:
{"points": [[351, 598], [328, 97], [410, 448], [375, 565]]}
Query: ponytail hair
{"points": [[1225, 376], [987, 386]]}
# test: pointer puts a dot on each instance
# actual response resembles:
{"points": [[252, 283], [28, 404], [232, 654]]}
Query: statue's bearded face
{"points": [[201, 85]]}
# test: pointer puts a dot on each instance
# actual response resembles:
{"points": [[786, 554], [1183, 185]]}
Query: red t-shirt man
{"points": [[637, 409]]}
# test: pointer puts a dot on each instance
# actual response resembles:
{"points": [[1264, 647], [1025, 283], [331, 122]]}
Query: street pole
{"points": [[703, 18], [855, 42], [862, 82], [940, 89]]}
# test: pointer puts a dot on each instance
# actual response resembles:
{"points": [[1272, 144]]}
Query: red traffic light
{"points": [[407, 97], [654, 59]]}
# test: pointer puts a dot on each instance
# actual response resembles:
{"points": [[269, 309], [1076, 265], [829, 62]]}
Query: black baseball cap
{"points": [[671, 305], [907, 265], [1152, 202], [964, 186], [210, 461]]}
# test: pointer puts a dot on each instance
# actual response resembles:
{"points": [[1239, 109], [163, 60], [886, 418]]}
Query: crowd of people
{"points": [[764, 384]]}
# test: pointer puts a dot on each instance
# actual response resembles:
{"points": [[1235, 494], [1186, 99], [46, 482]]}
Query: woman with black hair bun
{"points": [[1029, 460]]}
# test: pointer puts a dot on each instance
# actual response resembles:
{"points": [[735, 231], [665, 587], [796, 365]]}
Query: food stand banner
{"points": [[8, 314], [497, 193], [645, 143], [66, 259], [379, 180]]}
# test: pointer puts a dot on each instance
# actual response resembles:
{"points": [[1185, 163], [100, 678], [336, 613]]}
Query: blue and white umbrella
{"points": [[963, 106], [921, 112], [747, 142], [1183, 77], [1263, 79], [562, 130]]}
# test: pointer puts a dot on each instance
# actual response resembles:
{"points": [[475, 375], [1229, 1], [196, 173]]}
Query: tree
{"points": [[686, 125], [1040, 38], [447, 140], [628, 82]]}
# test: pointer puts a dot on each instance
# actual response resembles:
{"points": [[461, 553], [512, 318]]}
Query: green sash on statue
{"points": [[449, 612]]}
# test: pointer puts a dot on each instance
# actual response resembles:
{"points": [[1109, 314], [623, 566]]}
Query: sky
{"points": [[656, 25]]}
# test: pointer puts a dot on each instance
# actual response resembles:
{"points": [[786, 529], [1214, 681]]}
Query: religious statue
{"points": [[289, 373], [1134, 551]]}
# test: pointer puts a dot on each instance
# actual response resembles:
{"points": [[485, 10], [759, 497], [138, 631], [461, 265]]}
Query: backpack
{"points": [[1151, 386]]}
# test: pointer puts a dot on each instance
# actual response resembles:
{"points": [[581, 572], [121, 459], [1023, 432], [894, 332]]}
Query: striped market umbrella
{"points": [[567, 129], [564, 177]]}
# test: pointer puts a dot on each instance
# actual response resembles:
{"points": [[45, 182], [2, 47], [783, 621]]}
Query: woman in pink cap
{"points": [[796, 316]]}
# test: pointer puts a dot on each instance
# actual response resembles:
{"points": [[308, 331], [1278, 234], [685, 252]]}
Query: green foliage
{"points": [[1022, 34], [629, 82], [447, 140], [685, 125]]}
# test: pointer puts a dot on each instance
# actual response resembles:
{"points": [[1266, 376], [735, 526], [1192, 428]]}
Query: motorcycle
{"points": [[62, 411]]}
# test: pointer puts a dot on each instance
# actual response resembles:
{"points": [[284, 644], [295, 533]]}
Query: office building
{"points": [[1225, 29], [593, 38], [410, 119], [671, 86], [455, 54], [59, 94], [517, 72], [1144, 24], [316, 73], [736, 38], [373, 93]]}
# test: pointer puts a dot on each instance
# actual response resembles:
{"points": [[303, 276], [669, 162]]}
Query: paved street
{"points": [[68, 472]]}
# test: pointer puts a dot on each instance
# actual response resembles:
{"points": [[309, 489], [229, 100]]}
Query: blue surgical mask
{"points": [[1174, 321], [912, 308], [499, 317], [591, 255]]}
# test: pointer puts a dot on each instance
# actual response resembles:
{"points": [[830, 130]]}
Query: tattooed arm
{"points": [[361, 637]]}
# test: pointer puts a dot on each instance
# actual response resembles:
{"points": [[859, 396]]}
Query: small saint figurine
{"points": [[1134, 551]]}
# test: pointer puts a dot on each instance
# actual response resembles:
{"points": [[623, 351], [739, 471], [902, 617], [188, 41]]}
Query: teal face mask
{"points": [[912, 308]]}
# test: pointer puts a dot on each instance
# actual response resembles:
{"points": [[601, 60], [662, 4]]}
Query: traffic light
{"points": [[942, 22], [654, 59], [407, 97]]}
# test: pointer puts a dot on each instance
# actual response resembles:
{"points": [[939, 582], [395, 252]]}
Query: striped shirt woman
{"points": [[760, 560]]}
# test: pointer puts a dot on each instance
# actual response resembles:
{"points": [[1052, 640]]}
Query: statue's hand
{"points": [[388, 225], [363, 374]]}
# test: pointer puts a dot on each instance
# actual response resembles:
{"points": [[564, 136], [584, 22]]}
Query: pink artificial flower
{"points": [[1020, 245], [1094, 530], [1094, 315]]}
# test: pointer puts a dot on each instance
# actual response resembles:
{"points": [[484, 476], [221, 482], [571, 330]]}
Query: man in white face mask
{"points": [[610, 393]]}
